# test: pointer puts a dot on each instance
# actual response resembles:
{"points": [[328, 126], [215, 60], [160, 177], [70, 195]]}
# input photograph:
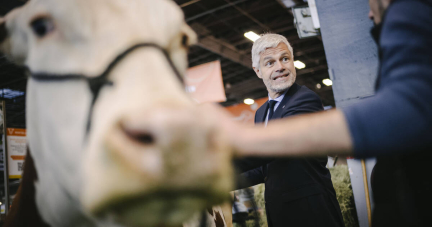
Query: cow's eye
{"points": [[42, 26]]}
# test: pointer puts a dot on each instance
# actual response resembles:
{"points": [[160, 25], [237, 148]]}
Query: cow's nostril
{"points": [[143, 138], [140, 137]]}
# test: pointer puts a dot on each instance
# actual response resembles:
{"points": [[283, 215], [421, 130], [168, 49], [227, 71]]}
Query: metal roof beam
{"points": [[221, 47], [214, 45], [189, 3], [253, 7], [205, 13], [199, 58], [263, 26]]}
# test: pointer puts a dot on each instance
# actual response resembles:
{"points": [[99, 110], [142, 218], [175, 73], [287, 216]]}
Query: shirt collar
{"points": [[278, 99]]}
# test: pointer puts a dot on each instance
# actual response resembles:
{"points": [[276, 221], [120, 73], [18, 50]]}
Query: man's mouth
{"points": [[280, 76]]}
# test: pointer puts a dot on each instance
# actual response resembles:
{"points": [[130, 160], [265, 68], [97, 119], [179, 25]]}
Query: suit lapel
{"points": [[283, 106], [261, 113]]}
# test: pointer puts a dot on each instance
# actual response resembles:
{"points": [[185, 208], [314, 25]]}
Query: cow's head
{"points": [[150, 157]]}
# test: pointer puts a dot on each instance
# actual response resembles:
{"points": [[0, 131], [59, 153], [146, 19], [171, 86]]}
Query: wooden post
{"points": [[366, 188]]}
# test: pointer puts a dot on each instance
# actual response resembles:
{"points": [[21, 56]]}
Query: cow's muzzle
{"points": [[158, 167]]}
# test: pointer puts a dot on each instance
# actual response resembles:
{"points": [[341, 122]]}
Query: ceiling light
{"points": [[299, 64], [249, 101], [318, 86], [10, 94], [252, 36], [288, 3], [327, 82]]}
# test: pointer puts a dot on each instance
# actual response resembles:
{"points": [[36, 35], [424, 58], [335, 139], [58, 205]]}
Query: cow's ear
{"points": [[190, 34], [3, 30]]}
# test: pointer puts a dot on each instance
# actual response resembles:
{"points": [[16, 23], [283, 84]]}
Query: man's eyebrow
{"points": [[268, 57], [282, 54]]}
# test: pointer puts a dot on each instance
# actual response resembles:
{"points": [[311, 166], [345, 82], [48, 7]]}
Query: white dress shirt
{"points": [[278, 101]]}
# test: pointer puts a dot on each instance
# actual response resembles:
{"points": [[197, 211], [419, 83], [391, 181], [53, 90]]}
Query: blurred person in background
{"points": [[298, 192], [395, 125]]}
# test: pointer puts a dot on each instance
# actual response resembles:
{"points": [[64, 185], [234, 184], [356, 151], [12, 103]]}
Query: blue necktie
{"points": [[272, 103]]}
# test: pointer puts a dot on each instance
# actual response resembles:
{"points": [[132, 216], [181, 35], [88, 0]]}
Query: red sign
{"points": [[204, 83]]}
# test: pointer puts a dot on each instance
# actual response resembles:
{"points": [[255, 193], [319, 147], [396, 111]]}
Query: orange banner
{"points": [[246, 113], [18, 157], [204, 83], [16, 132]]}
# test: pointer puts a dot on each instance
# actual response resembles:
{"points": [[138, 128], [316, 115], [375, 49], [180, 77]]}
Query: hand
{"points": [[233, 130]]}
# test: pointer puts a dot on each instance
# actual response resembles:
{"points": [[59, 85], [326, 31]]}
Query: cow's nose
{"points": [[160, 141], [165, 127], [140, 136]]}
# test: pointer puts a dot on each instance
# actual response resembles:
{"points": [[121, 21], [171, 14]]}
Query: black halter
{"points": [[96, 83]]}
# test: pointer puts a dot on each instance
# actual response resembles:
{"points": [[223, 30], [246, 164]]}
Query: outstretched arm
{"points": [[314, 134], [397, 120], [303, 102]]}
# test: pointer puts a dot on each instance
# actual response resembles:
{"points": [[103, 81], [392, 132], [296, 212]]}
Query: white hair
{"points": [[267, 40]]}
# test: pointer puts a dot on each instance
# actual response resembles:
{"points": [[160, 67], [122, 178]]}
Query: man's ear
{"points": [[258, 72]]}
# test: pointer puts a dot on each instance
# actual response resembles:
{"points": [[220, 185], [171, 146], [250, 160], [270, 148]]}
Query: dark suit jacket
{"points": [[298, 192]]}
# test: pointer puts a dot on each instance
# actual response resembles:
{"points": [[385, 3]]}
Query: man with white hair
{"points": [[395, 125], [298, 192]]}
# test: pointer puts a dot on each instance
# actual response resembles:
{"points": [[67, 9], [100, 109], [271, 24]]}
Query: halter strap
{"points": [[96, 83]]}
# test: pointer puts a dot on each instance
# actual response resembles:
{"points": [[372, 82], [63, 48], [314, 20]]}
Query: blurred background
{"points": [[220, 71]]}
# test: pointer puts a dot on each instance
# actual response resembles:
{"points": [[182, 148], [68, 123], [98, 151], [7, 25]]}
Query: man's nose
{"points": [[280, 67]]}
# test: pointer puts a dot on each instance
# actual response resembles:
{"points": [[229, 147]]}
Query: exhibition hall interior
{"points": [[159, 112]]}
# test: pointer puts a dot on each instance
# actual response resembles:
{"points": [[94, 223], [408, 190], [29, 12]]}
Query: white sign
{"points": [[17, 148], [304, 23]]}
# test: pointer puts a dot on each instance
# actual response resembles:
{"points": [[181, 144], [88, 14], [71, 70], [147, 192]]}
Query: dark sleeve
{"points": [[246, 164], [250, 178], [398, 119], [305, 101]]}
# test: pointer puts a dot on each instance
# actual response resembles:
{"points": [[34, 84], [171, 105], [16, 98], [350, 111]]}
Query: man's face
{"points": [[377, 8], [276, 69]]}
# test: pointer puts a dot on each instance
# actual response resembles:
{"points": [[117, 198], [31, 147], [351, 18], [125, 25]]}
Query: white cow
{"points": [[114, 138]]}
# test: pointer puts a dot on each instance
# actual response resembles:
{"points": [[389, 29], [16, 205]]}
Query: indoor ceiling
{"points": [[220, 25]]}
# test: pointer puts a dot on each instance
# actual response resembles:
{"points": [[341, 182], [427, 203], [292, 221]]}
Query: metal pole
{"points": [[366, 188], [5, 159]]}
